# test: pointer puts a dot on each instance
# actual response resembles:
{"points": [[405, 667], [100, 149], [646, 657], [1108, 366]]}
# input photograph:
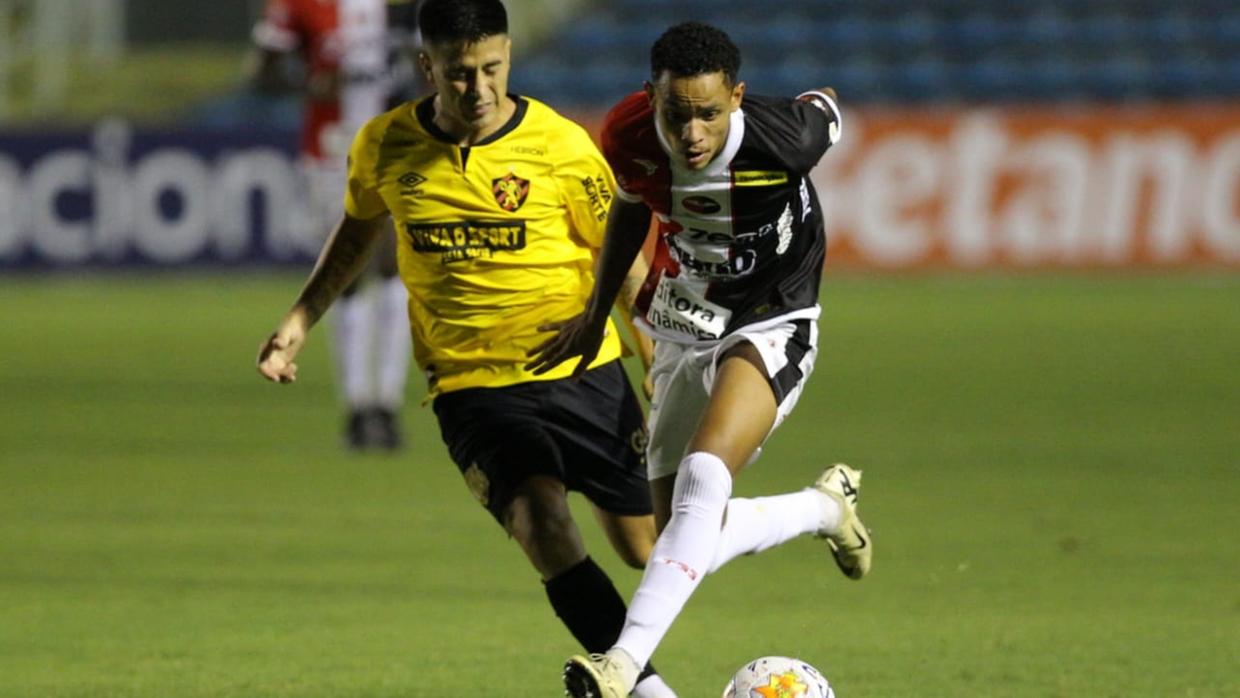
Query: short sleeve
{"points": [[796, 131], [586, 182], [821, 124], [616, 144], [361, 197], [825, 104]]}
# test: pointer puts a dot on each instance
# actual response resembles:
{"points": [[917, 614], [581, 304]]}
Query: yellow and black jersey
{"points": [[493, 240]]}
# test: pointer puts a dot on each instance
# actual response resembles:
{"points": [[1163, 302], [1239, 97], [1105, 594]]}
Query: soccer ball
{"points": [[778, 677]]}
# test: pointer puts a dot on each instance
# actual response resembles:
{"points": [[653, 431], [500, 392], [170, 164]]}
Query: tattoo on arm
{"points": [[343, 258]]}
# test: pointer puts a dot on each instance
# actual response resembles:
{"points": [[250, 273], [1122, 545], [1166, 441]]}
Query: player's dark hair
{"points": [[450, 21], [694, 48]]}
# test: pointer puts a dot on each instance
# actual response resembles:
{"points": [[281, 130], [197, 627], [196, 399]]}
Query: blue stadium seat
{"points": [[1223, 33], [915, 31], [976, 34], [1105, 32], [858, 80], [799, 72], [594, 35], [852, 32], [770, 40], [1046, 27], [991, 79], [1179, 76], [539, 77], [767, 79], [896, 50], [1226, 79], [926, 78], [1171, 29], [1118, 78]]}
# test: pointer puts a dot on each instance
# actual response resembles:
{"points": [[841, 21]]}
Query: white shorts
{"points": [[683, 375]]}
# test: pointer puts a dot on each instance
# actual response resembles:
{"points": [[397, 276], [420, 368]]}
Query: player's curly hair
{"points": [[694, 48], [470, 21]]}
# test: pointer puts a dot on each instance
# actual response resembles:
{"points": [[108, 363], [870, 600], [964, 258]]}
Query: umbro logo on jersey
{"points": [[700, 205], [410, 181], [510, 191]]}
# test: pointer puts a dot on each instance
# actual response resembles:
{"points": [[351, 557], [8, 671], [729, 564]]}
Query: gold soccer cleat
{"points": [[600, 675], [850, 543]]}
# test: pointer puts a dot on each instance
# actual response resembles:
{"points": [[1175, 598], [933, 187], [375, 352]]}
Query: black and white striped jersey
{"points": [[741, 241]]}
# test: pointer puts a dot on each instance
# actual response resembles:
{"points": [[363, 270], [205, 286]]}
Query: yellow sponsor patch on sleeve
{"points": [[759, 178]]}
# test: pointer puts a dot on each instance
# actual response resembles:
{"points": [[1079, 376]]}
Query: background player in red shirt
{"points": [[340, 52]]}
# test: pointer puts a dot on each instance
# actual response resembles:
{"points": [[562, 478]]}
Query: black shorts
{"points": [[589, 434]]}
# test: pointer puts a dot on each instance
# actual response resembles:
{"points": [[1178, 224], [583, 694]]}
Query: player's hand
{"points": [[648, 386], [580, 336], [277, 352]]}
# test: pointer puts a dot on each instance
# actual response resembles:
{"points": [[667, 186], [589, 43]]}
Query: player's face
{"points": [[471, 79], [694, 113]]}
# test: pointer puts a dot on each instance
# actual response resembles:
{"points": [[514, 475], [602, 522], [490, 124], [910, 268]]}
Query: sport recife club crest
{"points": [[510, 191]]}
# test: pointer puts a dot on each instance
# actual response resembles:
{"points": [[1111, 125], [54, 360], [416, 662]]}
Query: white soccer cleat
{"points": [[850, 541], [610, 675]]}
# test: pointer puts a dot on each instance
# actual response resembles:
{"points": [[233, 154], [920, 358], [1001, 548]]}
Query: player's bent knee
{"points": [[539, 519], [632, 537], [634, 552], [635, 559]]}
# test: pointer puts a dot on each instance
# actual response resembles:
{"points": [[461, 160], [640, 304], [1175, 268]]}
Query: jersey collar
{"points": [[425, 111]]}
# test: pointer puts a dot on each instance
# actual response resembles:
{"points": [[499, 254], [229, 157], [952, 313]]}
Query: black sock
{"points": [[590, 607]]}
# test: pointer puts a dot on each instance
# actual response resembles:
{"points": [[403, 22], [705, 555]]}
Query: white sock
{"points": [[653, 686], [353, 327], [753, 525], [681, 555], [395, 345]]}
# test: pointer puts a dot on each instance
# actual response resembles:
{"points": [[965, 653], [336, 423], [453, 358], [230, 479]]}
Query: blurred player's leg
{"points": [[370, 330], [352, 317], [393, 344], [352, 329]]}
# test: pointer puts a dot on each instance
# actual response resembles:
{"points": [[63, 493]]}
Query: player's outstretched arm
{"points": [[581, 336], [342, 259]]}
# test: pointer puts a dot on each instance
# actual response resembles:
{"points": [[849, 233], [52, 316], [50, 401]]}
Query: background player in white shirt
{"points": [[341, 49]]}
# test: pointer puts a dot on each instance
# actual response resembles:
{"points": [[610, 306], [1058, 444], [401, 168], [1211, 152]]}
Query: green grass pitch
{"points": [[1052, 473]]}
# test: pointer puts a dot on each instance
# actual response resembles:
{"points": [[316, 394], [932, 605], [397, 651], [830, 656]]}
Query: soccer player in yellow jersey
{"points": [[500, 205]]}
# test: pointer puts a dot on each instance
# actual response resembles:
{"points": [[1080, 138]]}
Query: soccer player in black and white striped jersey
{"points": [[732, 303]]}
